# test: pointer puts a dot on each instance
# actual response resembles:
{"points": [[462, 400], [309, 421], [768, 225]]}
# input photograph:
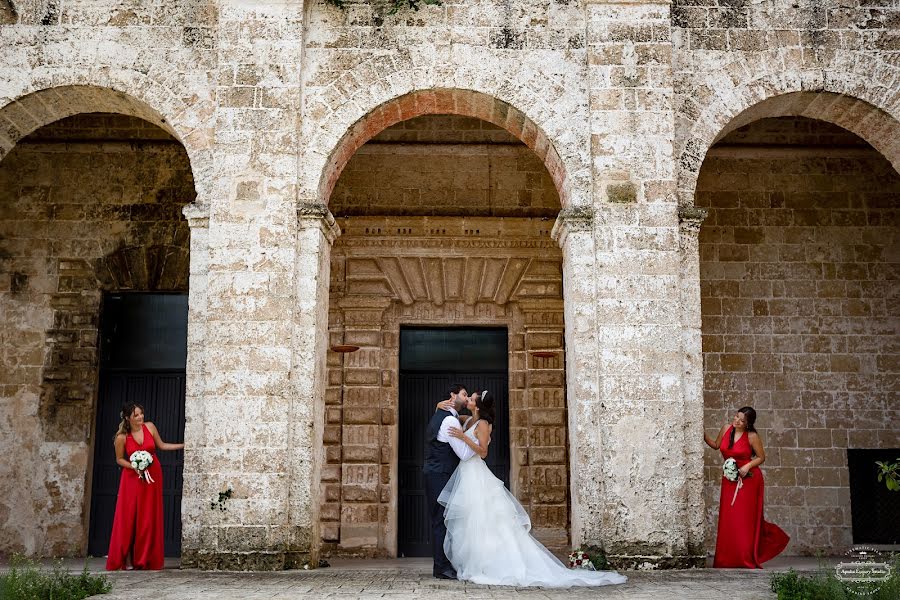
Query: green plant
{"points": [[824, 585], [890, 474], [27, 580], [220, 503], [394, 6]]}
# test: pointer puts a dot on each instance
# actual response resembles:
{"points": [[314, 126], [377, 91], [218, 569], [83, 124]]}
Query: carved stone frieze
{"points": [[424, 259]]}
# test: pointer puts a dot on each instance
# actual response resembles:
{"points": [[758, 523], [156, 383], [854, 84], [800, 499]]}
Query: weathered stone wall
{"points": [[798, 281], [443, 165], [620, 101], [388, 272], [87, 205], [732, 56]]}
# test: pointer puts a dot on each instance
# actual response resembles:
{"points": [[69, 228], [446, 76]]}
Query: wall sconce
{"points": [[344, 348]]}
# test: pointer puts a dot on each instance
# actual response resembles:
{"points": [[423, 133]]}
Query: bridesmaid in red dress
{"points": [[745, 539], [137, 533]]}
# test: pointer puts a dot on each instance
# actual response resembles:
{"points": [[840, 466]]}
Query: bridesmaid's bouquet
{"points": [[730, 470], [580, 560], [732, 473], [141, 460]]}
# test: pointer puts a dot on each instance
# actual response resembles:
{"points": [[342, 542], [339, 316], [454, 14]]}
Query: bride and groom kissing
{"points": [[479, 531]]}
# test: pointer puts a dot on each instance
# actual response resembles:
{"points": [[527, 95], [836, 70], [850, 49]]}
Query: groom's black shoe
{"points": [[450, 574]]}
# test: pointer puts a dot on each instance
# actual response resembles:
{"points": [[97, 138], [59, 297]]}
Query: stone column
{"points": [[368, 466], [645, 517], [573, 231], [316, 231], [249, 387], [690, 220], [193, 508]]}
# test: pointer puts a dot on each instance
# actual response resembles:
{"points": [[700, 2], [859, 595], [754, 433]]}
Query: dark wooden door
{"points": [[475, 358], [143, 347], [874, 509]]}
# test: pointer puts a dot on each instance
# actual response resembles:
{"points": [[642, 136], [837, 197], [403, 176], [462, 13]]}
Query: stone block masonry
{"points": [[253, 118], [797, 260]]}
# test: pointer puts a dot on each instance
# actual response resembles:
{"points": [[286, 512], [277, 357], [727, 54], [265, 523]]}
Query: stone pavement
{"points": [[411, 578]]}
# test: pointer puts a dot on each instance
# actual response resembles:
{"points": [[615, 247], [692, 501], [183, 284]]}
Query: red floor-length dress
{"points": [[138, 524], [745, 539]]}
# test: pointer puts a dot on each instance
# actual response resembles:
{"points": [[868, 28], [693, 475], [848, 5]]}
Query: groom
{"points": [[442, 454]]}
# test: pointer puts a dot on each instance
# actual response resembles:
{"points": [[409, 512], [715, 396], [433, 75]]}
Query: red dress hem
{"points": [[138, 523]]}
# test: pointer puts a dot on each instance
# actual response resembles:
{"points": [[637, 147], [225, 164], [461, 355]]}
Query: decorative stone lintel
{"points": [[575, 218], [690, 218], [314, 214], [197, 215]]}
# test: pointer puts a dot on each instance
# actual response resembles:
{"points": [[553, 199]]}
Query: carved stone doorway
{"points": [[432, 360]]}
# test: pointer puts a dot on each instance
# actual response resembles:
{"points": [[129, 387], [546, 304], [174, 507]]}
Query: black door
{"points": [[143, 349], [431, 360], [874, 509]]}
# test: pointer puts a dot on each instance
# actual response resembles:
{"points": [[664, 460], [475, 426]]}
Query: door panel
{"points": [[419, 392], [127, 319]]}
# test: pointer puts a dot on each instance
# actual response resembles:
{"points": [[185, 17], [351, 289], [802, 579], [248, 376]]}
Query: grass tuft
{"points": [[27, 580]]}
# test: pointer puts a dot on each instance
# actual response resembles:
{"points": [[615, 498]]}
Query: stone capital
{"points": [[314, 214], [197, 215], [690, 218], [572, 219]]}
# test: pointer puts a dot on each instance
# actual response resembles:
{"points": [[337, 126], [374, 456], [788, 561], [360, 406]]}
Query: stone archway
{"points": [[801, 192], [70, 233], [445, 102], [765, 98], [383, 245]]}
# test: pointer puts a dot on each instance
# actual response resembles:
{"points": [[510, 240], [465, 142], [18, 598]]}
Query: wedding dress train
{"points": [[488, 539]]}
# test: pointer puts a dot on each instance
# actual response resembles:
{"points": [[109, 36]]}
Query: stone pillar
{"points": [[194, 511], [573, 231], [250, 380], [644, 521], [316, 231], [367, 461], [690, 220], [544, 419]]}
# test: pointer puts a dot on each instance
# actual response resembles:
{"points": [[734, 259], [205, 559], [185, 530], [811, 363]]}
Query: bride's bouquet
{"points": [[141, 460], [580, 560]]}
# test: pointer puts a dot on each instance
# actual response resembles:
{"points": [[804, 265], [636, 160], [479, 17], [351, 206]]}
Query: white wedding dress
{"points": [[488, 539]]}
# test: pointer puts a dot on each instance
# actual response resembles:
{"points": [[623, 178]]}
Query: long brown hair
{"points": [[750, 416], [124, 424]]}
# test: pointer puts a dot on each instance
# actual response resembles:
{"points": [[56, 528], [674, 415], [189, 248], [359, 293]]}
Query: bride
{"points": [[488, 539]]}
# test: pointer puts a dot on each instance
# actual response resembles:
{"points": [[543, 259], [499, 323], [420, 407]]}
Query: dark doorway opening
{"points": [[143, 353], [874, 509], [431, 360]]}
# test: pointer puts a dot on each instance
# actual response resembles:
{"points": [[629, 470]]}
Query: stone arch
{"points": [[546, 97], [871, 112], [49, 97], [157, 267], [444, 101]]}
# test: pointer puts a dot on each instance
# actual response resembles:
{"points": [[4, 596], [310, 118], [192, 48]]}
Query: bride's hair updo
{"points": [[486, 408]]}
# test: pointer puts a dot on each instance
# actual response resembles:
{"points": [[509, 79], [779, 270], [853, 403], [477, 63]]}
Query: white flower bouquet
{"points": [[732, 473], [141, 460], [580, 560], [730, 470]]}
